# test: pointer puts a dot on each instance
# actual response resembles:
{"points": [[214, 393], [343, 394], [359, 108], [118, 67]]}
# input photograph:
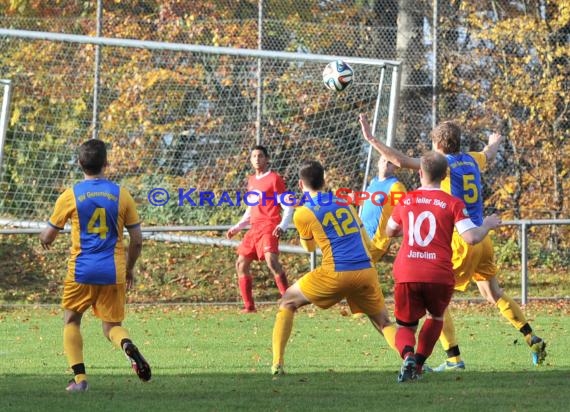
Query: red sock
{"points": [[245, 288], [405, 339], [281, 282], [428, 336]]}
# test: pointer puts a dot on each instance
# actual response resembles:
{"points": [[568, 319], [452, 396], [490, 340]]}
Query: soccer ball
{"points": [[337, 75]]}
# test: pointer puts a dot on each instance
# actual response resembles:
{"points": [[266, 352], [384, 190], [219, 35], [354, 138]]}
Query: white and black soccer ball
{"points": [[337, 75]]}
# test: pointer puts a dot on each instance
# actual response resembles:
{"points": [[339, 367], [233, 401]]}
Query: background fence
{"points": [[180, 120], [490, 65]]}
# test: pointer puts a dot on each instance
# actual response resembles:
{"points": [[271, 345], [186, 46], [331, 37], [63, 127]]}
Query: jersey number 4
{"points": [[414, 226], [98, 223]]}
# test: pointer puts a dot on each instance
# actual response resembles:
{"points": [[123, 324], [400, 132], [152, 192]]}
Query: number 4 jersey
{"points": [[427, 218], [98, 210]]}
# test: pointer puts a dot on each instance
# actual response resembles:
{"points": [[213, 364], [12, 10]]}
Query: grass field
{"points": [[215, 359]]}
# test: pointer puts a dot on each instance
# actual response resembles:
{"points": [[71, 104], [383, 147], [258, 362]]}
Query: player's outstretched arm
{"points": [[492, 147], [477, 234], [392, 155]]}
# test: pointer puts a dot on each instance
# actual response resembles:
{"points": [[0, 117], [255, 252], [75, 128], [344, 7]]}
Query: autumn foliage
{"points": [[503, 66]]}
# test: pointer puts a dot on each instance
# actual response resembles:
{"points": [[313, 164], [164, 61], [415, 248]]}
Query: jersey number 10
{"points": [[414, 226]]}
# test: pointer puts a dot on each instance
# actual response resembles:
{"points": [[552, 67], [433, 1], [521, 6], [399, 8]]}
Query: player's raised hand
{"points": [[495, 139], [365, 126], [492, 147]]}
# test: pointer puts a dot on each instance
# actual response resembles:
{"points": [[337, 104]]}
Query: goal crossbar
{"points": [[155, 45]]}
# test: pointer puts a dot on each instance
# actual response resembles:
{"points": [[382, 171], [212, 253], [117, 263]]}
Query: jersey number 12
{"points": [[347, 224]]}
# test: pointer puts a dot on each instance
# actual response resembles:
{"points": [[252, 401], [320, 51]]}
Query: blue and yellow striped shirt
{"points": [[337, 231], [99, 210], [464, 181]]}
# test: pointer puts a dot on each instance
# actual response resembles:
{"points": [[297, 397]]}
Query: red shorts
{"points": [[256, 243], [413, 299]]}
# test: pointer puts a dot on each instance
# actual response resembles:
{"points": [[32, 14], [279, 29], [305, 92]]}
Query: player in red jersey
{"points": [[470, 263], [423, 271], [264, 190]]}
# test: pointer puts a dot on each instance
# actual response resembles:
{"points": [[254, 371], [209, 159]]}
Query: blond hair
{"points": [[447, 137]]}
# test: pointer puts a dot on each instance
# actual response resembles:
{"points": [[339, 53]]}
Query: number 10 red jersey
{"points": [[427, 218]]}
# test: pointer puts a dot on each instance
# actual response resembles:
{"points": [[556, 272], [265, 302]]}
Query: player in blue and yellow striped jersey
{"points": [[346, 270], [384, 190], [99, 270], [476, 262]]}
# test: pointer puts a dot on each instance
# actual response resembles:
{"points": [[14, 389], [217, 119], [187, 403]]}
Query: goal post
{"points": [[181, 118], [4, 114]]}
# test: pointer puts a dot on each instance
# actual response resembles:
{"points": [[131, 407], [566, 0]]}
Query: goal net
{"points": [[179, 118]]}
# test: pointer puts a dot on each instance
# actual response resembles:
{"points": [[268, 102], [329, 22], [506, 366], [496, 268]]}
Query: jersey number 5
{"points": [[98, 223], [346, 220], [470, 189], [414, 226]]}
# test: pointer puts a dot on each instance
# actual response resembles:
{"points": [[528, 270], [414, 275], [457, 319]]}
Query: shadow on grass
{"points": [[326, 391]]}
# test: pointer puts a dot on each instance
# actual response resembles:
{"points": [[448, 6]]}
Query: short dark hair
{"points": [[447, 136], [434, 165], [262, 148], [312, 173], [92, 156]]}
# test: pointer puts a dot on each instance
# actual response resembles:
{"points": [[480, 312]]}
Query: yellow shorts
{"points": [[361, 289], [475, 262], [108, 301]]}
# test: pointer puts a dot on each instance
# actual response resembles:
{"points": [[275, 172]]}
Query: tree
{"points": [[523, 50]]}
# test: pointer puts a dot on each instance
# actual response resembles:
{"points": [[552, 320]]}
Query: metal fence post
{"points": [[374, 122], [96, 80], [435, 77], [259, 74], [6, 84], [524, 262]]}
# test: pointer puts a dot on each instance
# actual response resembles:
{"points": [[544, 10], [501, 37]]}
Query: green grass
{"points": [[215, 359]]}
